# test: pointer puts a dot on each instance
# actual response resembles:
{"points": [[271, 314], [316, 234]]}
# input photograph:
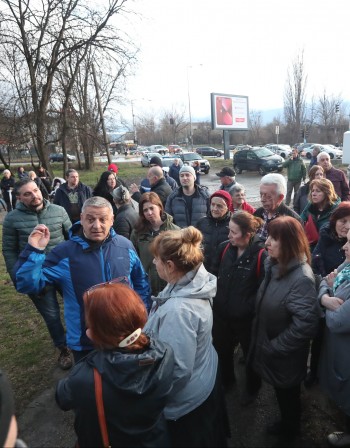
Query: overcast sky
{"points": [[242, 48]]}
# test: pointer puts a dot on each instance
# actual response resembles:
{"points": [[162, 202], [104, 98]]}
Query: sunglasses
{"points": [[124, 280]]}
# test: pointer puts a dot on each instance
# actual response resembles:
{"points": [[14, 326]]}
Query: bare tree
{"points": [[41, 36], [172, 122], [255, 127], [294, 97]]}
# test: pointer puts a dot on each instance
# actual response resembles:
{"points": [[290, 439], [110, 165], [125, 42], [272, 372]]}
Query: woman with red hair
{"points": [[135, 371], [286, 319]]}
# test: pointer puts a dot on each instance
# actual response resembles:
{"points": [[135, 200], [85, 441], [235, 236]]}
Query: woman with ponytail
{"points": [[182, 317]]}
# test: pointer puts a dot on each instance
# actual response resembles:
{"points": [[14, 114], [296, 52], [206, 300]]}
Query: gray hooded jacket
{"points": [[182, 317]]}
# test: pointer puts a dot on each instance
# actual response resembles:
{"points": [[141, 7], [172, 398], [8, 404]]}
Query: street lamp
{"points": [[189, 101], [133, 117]]}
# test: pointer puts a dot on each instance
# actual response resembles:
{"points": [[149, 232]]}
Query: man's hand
{"points": [[133, 188], [40, 237]]}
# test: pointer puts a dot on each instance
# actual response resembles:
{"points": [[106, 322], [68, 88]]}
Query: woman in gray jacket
{"points": [[334, 369], [182, 317], [286, 319]]}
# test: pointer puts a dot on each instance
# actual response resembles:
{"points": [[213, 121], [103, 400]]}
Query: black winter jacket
{"points": [[328, 253], [125, 220], [135, 389], [286, 319], [162, 188], [214, 232], [238, 280], [61, 198]]}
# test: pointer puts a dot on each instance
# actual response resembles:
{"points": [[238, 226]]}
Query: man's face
{"points": [[325, 162], [73, 179], [186, 180], [152, 179], [30, 195], [269, 198], [226, 180], [96, 222], [295, 153]]}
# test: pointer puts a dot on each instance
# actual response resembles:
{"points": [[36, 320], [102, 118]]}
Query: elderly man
{"points": [[31, 209], [227, 177], [337, 177], [272, 192], [157, 182], [189, 202], [72, 194], [94, 254]]}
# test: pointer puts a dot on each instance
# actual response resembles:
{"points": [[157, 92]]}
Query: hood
{"points": [[196, 284], [133, 372]]}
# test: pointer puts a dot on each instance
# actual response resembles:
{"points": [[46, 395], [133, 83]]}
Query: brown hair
{"points": [[342, 211], [293, 241], [327, 188], [182, 247], [113, 312], [142, 223], [313, 171], [247, 222]]}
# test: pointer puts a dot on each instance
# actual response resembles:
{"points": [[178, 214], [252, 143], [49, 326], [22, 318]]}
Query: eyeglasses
{"points": [[124, 280]]}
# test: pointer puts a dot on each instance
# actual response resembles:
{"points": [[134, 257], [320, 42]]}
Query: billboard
{"points": [[229, 112]]}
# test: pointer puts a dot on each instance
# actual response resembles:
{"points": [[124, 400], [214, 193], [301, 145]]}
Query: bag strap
{"points": [[225, 250], [100, 408], [258, 265]]}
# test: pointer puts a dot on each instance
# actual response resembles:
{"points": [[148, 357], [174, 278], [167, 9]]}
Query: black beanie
{"points": [[156, 161]]}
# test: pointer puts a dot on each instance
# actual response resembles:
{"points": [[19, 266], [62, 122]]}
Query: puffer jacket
{"points": [[214, 232], [328, 253], [239, 280], [176, 206], [125, 220], [182, 317], [135, 389], [73, 267], [19, 223], [287, 315], [141, 242]]}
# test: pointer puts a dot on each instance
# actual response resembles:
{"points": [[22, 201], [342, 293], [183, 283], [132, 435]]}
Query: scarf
{"points": [[343, 276]]}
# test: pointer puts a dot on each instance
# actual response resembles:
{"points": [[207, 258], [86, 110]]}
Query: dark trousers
{"points": [[316, 346], [290, 407], [205, 426], [226, 334], [78, 355]]}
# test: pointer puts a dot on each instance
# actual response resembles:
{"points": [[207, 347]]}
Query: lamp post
{"points": [[133, 117], [189, 102]]}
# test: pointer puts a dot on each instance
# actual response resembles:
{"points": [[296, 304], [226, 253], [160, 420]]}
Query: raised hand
{"points": [[39, 237]]}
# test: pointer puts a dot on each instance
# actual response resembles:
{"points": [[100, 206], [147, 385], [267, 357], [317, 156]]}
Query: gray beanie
{"points": [[121, 195], [188, 169]]}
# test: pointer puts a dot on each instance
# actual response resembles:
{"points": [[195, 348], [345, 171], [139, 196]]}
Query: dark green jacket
{"points": [[141, 241], [296, 169], [19, 223]]}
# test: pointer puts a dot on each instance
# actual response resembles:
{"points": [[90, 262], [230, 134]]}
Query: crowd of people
{"points": [[161, 282]]}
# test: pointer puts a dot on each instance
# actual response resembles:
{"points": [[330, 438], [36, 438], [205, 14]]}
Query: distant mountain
{"points": [[269, 115]]}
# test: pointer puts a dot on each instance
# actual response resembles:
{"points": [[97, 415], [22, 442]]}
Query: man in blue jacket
{"points": [[93, 254]]}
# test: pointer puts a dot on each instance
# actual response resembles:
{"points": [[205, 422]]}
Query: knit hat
{"points": [[156, 161], [188, 169], [114, 168], [225, 195], [121, 194], [7, 407]]}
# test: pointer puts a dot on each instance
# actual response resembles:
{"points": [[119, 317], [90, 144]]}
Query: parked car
{"points": [[257, 159], [189, 157], [303, 146], [334, 153], [160, 149], [59, 157], [209, 151], [284, 151], [145, 159], [174, 149]]}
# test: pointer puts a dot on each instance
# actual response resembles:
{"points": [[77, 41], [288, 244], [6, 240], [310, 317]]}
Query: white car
{"points": [[160, 149], [284, 151], [334, 153]]}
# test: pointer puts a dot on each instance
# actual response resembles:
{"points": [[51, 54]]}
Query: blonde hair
{"points": [[327, 188], [182, 247]]}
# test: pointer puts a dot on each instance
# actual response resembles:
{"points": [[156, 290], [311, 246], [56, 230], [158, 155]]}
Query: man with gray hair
{"points": [[94, 254], [272, 192], [337, 177]]}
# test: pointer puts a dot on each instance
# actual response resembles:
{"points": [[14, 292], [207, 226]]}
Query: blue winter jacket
{"points": [[74, 266]]}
